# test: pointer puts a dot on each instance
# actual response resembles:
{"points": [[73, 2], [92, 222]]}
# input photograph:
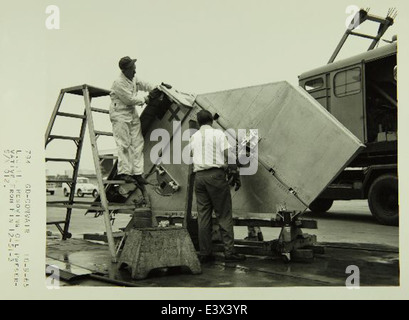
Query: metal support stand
{"points": [[292, 240], [292, 244]]}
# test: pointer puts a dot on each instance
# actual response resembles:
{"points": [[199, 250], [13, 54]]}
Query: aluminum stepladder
{"points": [[107, 208]]}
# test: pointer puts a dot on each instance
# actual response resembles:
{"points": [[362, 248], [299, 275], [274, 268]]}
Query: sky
{"points": [[196, 46]]}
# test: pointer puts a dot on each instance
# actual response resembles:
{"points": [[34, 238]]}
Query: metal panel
{"points": [[179, 172], [299, 140]]}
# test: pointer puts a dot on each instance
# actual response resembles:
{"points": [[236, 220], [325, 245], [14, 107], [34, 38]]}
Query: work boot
{"points": [[126, 177], [234, 257], [139, 179]]}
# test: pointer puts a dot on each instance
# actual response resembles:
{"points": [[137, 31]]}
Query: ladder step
{"points": [[62, 204], [103, 133], [62, 181], [65, 138], [121, 206], [92, 206], [362, 35], [376, 19], [94, 92], [58, 202], [114, 182], [100, 110], [60, 160], [104, 157], [71, 115], [55, 222]]}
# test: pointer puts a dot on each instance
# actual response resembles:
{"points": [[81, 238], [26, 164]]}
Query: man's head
{"points": [[127, 66], [204, 117]]}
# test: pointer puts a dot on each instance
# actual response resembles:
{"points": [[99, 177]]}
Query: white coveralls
{"points": [[126, 125]]}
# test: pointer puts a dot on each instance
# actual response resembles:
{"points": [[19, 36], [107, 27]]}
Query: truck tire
{"points": [[383, 199], [321, 205]]}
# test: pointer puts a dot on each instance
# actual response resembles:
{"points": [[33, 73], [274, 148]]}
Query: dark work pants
{"points": [[213, 193]]}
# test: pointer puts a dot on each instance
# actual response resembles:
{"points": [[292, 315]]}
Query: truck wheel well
{"points": [[373, 174]]}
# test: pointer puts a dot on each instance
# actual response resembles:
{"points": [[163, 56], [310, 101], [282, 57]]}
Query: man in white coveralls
{"points": [[126, 124]]}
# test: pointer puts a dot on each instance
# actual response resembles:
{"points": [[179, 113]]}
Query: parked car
{"points": [[51, 186], [83, 187]]}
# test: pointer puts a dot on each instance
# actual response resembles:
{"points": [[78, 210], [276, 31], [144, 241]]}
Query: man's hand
{"points": [[233, 176], [238, 182], [167, 86], [147, 99]]}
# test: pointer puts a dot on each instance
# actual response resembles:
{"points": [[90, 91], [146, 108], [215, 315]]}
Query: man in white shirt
{"points": [[126, 125], [210, 151]]}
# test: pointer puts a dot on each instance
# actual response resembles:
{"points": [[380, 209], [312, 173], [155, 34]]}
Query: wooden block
{"points": [[152, 248]]}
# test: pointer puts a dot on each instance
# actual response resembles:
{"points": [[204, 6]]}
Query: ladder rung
{"points": [[70, 206], [108, 157], [114, 182], [64, 138], [103, 133], [71, 115], [363, 35], [60, 160], [100, 110], [376, 19], [58, 202], [120, 206], [55, 222], [91, 206], [124, 206], [62, 181]]}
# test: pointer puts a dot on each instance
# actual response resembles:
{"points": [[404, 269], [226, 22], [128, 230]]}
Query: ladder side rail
{"points": [[75, 176], [104, 201], [339, 46], [382, 29], [360, 17], [53, 116]]}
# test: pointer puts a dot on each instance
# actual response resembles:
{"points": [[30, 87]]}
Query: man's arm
{"points": [[144, 86], [233, 173], [126, 94]]}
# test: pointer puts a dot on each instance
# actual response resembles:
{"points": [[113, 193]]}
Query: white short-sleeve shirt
{"points": [[207, 146]]}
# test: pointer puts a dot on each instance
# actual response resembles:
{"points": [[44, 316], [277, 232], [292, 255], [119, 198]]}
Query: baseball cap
{"points": [[126, 62]]}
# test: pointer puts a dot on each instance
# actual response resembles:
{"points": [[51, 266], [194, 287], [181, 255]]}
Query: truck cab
{"points": [[361, 93]]}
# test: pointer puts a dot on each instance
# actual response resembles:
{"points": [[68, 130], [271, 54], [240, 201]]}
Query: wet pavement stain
{"points": [[378, 267]]}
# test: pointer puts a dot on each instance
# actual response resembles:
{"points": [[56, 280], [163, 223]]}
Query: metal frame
{"points": [[361, 17]]}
